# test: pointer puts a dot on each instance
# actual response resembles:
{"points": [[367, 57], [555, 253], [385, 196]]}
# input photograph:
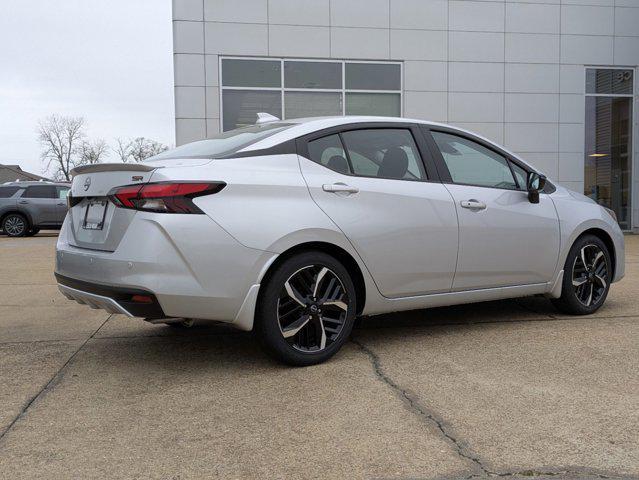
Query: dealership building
{"points": [[552, 80]]}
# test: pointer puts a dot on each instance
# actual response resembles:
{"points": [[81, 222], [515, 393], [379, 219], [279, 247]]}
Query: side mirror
{"points": [[535, 184]]}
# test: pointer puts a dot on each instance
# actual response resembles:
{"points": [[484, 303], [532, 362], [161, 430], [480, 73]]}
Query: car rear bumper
{"points": [[125, 301], [187, 264]]}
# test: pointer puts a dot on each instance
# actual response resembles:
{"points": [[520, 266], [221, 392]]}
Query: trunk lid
{"points": [[95, 222]]}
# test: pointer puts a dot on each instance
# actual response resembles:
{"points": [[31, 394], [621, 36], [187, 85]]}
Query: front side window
{"points": [[307, 88], [40, 191], [470, 163]]}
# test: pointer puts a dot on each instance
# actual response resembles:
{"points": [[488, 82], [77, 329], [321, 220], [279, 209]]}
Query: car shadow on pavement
{"points": [[186, 344], [204, 341]]}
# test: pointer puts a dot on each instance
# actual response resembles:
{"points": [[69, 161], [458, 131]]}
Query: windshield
{"points": [[224, 143]]}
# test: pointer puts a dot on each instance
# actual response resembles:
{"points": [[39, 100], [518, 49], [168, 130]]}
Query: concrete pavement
{"points": [[502, 388]]}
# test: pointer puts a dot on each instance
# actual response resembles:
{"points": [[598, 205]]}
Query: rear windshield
{"points": [[224, 143]]}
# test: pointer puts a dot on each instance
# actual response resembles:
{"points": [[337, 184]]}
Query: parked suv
{"points": [[27, 207]]}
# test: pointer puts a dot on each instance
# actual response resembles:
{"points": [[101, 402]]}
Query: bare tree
{"points": [[122, 149], [138, 149], [60, 138], [91, 152]]}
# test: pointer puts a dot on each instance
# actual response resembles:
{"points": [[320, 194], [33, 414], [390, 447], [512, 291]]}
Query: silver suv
{"points": [[27, 207]]}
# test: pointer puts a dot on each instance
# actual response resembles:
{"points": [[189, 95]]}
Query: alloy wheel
{"points": [[14, 226], [590, 275], [312, 308]]}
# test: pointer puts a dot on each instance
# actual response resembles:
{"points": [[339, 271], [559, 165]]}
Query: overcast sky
{"points": [[109, 61]]}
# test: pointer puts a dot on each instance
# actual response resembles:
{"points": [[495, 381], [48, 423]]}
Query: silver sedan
{"points": [[293, 228]]}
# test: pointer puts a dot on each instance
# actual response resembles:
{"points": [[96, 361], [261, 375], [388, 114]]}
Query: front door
{"points": [[504, 240], [372, 182]]}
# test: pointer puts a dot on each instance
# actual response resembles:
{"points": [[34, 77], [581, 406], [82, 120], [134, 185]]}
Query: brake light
{"points": [[169, 197]]}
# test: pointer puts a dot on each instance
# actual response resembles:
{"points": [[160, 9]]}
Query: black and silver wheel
{"points": [[15, 225], [307, 309], [587, 277]]}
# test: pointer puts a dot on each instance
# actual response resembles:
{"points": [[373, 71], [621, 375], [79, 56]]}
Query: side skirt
{"points": [[454, 298]]}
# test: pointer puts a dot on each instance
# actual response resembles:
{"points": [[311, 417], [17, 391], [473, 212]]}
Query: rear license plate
{"points": [[94, 215]]}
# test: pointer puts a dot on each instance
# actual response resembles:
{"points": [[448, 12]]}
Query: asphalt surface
{"points": [[507, 388]]}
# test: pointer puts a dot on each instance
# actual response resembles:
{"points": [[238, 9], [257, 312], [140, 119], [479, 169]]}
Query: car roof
{"points": [[304, 126]]}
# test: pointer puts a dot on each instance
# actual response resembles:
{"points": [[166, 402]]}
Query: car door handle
{"points": [[61, 204], [473, 204], [339, 188], [23, 202]]}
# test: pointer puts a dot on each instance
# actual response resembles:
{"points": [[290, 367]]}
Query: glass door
{"points": [[608, 149]]}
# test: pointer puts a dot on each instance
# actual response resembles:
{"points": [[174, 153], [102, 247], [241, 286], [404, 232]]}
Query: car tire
{"points": [[306, 309], [31, 232], [15, 225], [585, 285]]}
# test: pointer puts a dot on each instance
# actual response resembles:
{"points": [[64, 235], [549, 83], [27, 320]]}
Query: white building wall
{"points": [[510, 70]]}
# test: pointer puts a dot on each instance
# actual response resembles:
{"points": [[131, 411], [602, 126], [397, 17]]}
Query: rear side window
{"points": [[40, 191], [6, 192], [389, 153], [63, 192], [328, 151], [384, 153]]}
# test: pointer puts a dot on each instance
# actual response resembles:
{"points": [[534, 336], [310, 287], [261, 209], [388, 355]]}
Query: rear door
{"points": [[41, 203], [378, 184], [504, 240]]}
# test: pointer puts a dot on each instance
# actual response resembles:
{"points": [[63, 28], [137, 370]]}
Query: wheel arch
{"points": [[607, 240], [335, 251], [19, 212]]}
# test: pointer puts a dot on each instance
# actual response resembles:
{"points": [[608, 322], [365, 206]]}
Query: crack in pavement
{"points": [[561, 472], [464, 451], [421, 410], [50, 384]]}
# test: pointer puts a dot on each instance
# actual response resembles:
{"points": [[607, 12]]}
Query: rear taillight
{"points": [[168, 197]]}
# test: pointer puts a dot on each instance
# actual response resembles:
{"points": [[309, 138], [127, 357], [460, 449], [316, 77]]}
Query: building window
{"points": [[307, 88], [608, 149]]}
